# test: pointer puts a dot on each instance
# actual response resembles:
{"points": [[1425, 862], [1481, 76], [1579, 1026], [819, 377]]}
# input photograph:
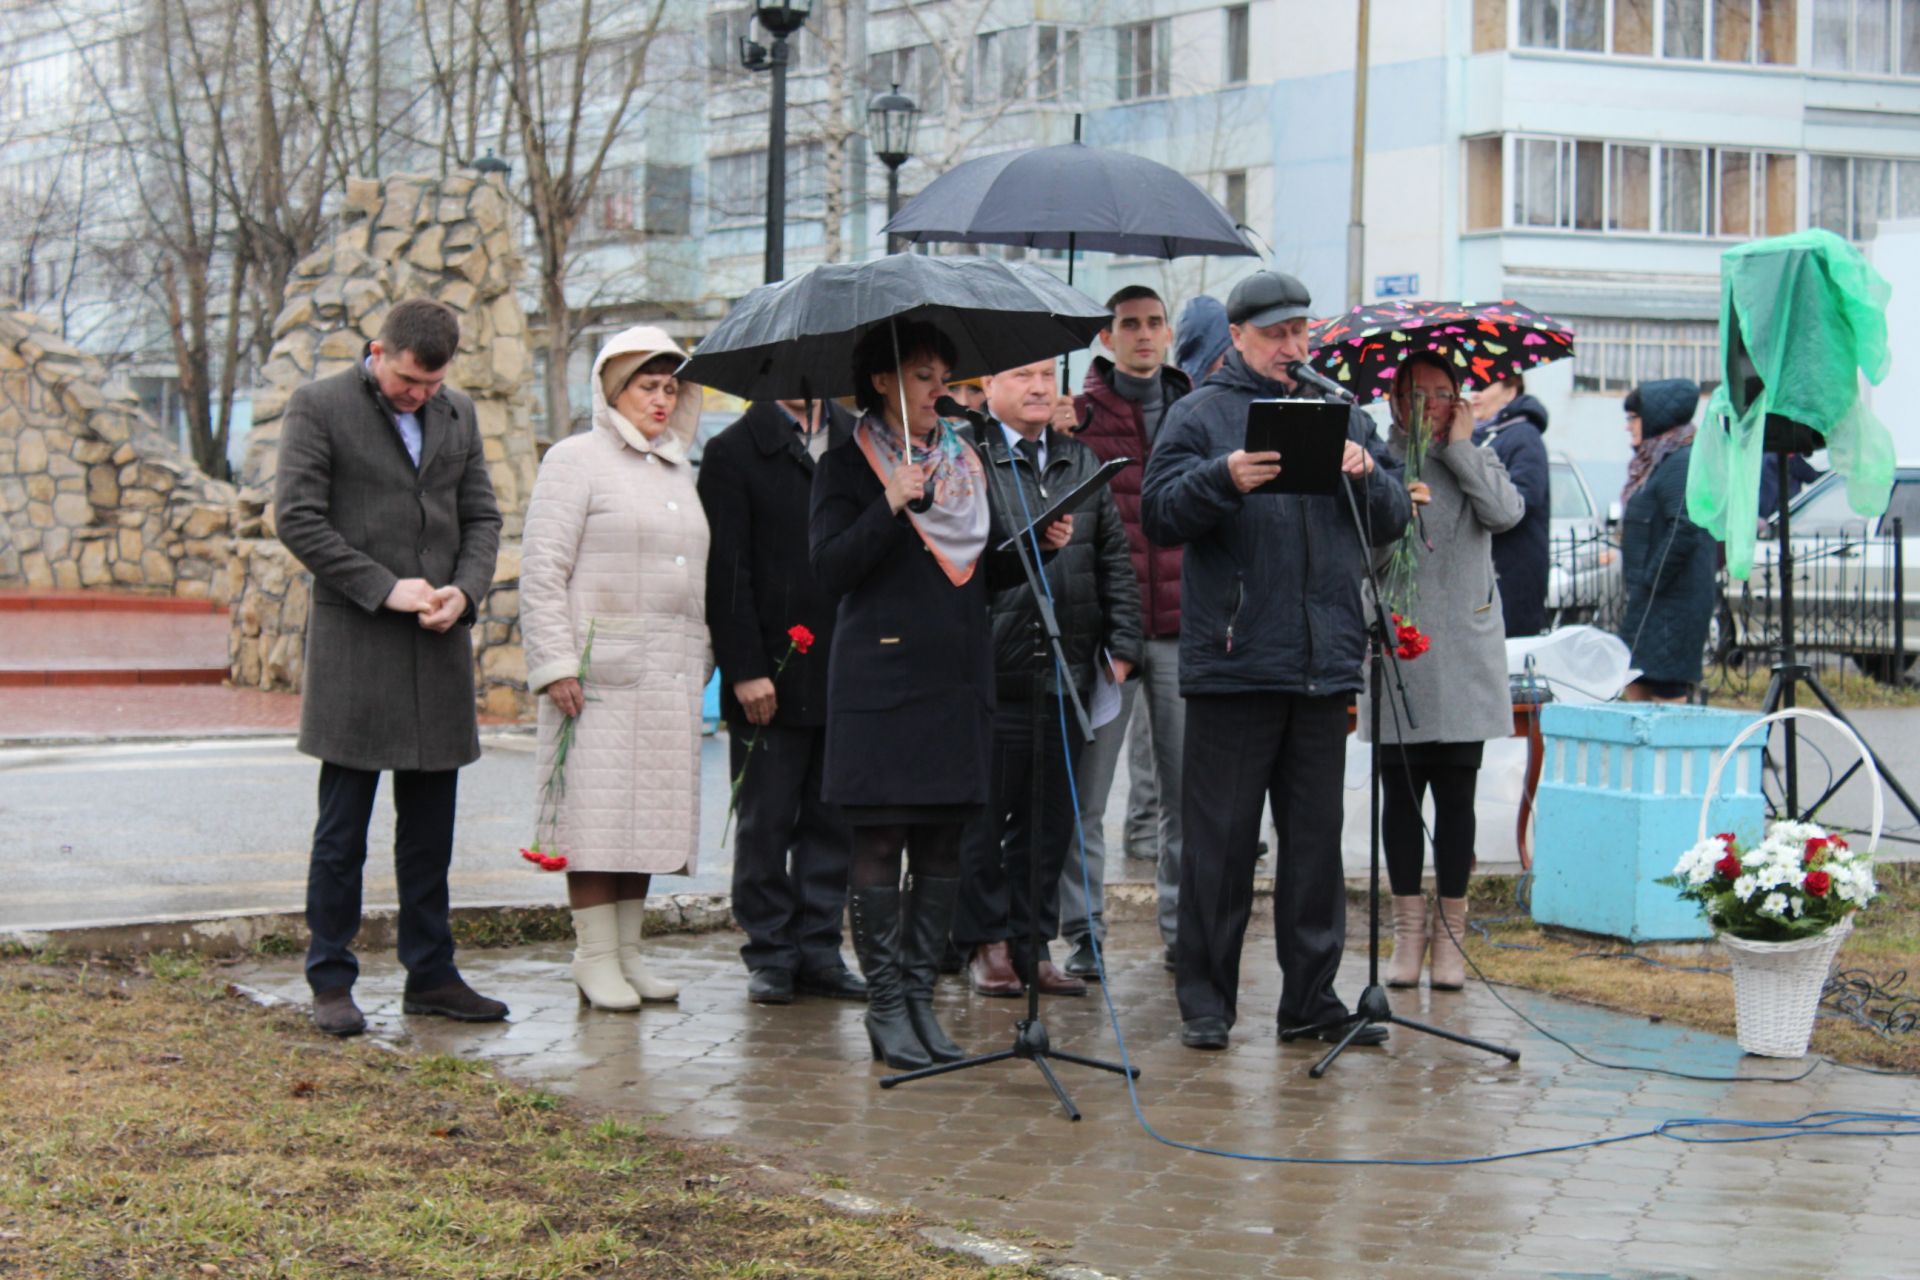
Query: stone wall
{"points": [[91, 494], [400, 237]]}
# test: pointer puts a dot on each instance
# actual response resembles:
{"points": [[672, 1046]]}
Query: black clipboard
{"points": [[1070, 501], [1309, 435]]}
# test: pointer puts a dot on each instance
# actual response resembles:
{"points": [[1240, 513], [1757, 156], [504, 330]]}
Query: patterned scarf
{"points": [[954, 528], [1649, 454]]}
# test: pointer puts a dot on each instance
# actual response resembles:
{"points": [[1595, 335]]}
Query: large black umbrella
{"points": [[1072, 197], [795, 339]]}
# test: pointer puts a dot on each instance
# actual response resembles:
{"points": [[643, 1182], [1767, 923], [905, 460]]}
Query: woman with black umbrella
{"points": [[910, 679]]}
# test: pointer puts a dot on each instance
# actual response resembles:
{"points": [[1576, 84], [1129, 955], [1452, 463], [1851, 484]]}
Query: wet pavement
{"points": [[793, 1086]]}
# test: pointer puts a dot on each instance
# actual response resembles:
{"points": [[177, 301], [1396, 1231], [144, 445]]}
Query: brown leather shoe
{"points": [[1055, 982], [990, 971], [335, 1013]]}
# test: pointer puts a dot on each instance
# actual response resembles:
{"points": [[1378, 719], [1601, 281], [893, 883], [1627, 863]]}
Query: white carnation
{"points": [[1775, 904], [1743, 887]]}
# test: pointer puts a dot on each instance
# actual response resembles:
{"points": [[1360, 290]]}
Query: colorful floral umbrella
{"points": [[1486, 341]]}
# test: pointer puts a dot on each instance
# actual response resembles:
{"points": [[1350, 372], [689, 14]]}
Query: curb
{"points": [[101, 602], [97, 676], [233, 933]]}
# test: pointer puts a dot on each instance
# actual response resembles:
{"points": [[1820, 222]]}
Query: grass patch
{"points": [[1885, 943], [512, 927], [166, 1128], [1745, 688]]}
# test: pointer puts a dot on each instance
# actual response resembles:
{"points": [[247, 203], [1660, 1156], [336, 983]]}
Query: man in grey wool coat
{"points": [[382, 493]]}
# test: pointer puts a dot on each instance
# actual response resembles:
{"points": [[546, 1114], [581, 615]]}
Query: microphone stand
{"points": [[1373, 1008], [1030, 1039]]}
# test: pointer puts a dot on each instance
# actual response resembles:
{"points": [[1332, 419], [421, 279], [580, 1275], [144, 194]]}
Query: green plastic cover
{"points": [[1813, 312]]}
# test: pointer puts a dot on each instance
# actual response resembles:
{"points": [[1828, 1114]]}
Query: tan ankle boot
{"points": [[1449, 931], [1409, 940]]}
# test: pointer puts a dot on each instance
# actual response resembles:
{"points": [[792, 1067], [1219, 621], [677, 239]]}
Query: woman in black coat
{"points": [[1667, 560], [910, 679]]}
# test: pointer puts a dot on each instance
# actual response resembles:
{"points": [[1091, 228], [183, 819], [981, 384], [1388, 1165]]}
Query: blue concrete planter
{"points": [[1619, 802]]}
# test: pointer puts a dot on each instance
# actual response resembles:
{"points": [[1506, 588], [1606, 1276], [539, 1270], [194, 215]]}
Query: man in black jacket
{"points": [[1272, 637], [1514, 423], [1097, 602], [790, 857]]}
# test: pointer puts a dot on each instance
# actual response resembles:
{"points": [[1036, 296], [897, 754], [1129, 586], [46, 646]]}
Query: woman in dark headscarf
{"points": [[1667, 561], [910, 679]]}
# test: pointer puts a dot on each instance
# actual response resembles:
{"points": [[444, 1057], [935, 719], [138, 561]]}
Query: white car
{"points": [[1583, 574], [1845, 585]]}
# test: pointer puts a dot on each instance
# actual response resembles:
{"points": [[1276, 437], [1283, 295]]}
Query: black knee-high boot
{"points": [[929, 916], [875, 913]]}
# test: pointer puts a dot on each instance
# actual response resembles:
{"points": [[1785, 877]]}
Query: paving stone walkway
{"points": [[793, 1086]]}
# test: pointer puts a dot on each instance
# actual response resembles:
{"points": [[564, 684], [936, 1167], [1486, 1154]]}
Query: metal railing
{"points": [[1850, 604]]}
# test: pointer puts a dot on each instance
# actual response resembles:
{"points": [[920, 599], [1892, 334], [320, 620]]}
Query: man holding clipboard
{"points": [[1097, 604], [1272, 641]]}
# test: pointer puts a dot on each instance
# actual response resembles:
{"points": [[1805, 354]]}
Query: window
{"points": [[725, 29], [611, 209], [1239, 20], [1580, 185], [1617, 355], [1876, 37], [1566, 499], [1233, 195], [1850, 195], [737, 187], [999, 72], [1140, 60], [917, 70], [1489, 25], [1726, 30], [669, 199], [1056, 71]]}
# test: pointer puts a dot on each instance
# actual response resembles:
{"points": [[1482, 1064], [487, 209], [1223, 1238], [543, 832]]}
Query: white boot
{"points": [[596, 959], [633, 911]]}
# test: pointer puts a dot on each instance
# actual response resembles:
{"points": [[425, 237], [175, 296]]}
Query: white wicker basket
{"points": [[1777, 985], [1776, 989]]}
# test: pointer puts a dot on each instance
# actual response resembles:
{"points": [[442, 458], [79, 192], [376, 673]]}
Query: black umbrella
{"points": [[795, 339], [1072, 197]]}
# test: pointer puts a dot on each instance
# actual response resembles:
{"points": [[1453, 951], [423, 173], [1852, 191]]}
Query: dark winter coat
{"points": [[1095, 598], [1271, 586], [1521, 554], [910, 683], [1113, 427], [756, 483], [382, 691], [1670, 569]]}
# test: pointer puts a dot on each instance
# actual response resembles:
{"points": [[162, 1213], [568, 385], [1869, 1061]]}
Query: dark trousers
{"points": [[1451, 773], [790, 854], [995, 899], [1242, 751], [423, 806]]}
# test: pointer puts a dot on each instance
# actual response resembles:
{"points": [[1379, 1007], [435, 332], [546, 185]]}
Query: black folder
{"points": [[1309, 435], [1068, 502]]}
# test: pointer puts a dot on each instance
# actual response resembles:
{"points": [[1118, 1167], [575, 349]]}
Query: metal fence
{"points": [[1849, 594]]}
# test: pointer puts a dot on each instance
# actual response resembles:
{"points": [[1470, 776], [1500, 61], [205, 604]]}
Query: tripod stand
{"points": [[1790, 673], [1030, 1039]]}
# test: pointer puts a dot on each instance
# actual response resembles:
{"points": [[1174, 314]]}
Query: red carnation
{"points": [[1816, 852], [1818, 882], [545, 861], [1726, 837], [1728, 868], [801, 637]]}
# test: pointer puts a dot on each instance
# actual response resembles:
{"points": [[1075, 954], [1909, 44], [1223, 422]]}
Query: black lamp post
{"points": [[780, 21], [490, 164], [891, 120]]}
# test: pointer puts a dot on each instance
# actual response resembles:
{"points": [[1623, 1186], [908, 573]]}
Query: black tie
{"points": [[1031, 448]]}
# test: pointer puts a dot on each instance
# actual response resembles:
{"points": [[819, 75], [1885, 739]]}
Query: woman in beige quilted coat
{"points": [[616, 544]]}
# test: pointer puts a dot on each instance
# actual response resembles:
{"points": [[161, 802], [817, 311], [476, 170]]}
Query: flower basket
{"points": [[1796, 878], [1776, 989]]}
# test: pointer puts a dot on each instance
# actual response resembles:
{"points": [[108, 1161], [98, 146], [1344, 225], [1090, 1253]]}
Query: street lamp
{"points": [[490, 164], [780, 21], [891, 120]]}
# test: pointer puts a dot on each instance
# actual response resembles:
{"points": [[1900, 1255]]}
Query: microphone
{"points": [[1303, 373], [948, 407]]}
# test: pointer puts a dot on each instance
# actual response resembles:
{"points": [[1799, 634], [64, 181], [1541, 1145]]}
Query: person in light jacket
{"points": [[616, 554], [1456, 690]]}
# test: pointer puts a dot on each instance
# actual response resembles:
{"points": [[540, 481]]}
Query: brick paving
{"points": [[141, 711], [793, 1086]]}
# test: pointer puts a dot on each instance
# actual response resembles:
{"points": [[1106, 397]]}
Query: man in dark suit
{"points": [[1097, 604], [790, 857], [382, 493]]}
